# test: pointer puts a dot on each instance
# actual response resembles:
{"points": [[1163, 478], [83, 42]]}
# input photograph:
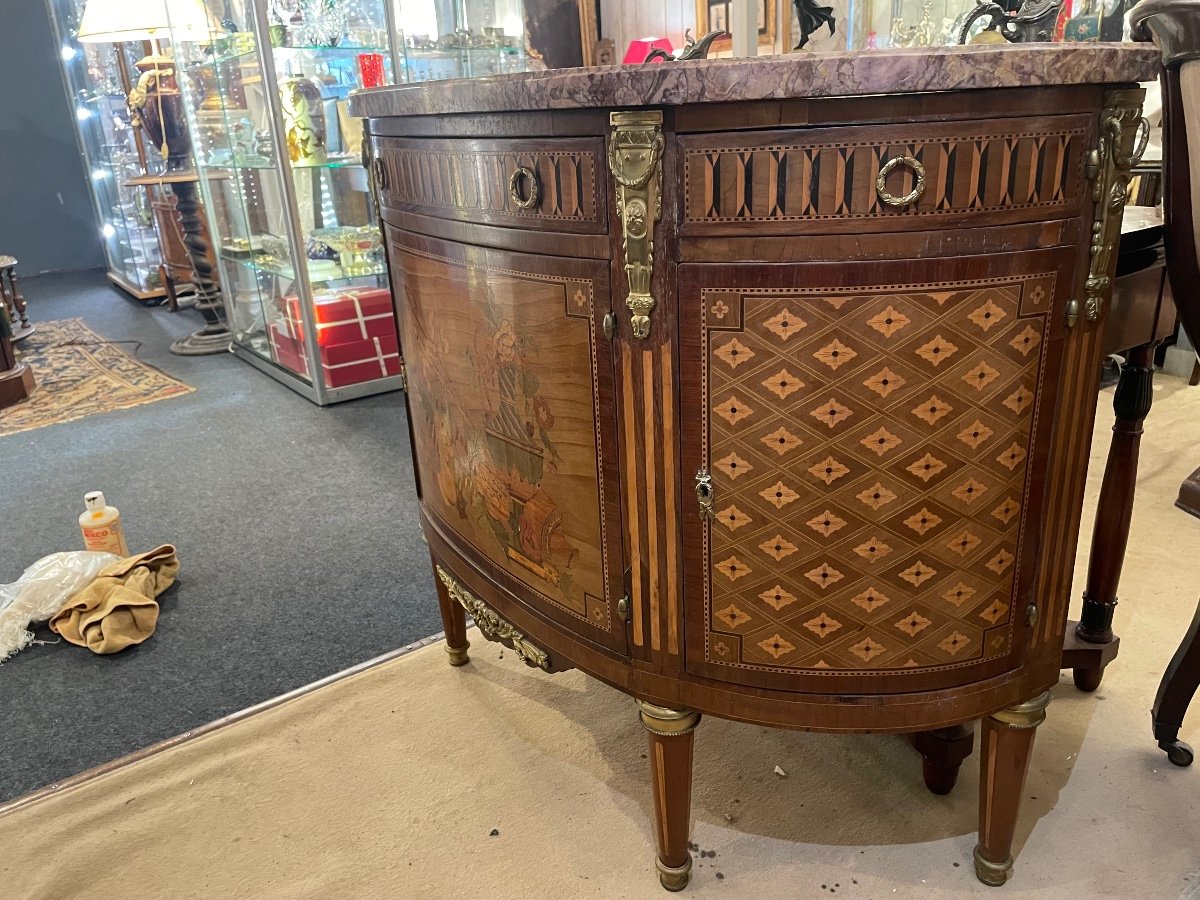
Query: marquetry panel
{"points": [[469, 180], [506, 375], [1021, 167], [869, 451]]}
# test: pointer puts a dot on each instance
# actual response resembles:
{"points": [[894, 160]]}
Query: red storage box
{"points": [[289, 352], [346, 316], [358, 361]]}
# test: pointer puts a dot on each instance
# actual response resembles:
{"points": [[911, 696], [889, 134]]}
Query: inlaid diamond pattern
{"points": [[869, 453], [781, 441]]}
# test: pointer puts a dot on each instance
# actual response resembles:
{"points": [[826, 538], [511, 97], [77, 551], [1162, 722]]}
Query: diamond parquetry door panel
{"points": [[874, 452]]}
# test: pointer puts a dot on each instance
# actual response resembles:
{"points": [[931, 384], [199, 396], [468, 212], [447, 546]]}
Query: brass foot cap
{"points": [[674, 879], [990, 873], [458, 655]]}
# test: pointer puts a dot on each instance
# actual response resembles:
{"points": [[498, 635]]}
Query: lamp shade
{"points": [[639, 48], [113, 21]]}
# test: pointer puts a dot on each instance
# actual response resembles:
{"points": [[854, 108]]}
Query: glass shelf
{"points": [[346, 163], [288, 273], [251, 56]]}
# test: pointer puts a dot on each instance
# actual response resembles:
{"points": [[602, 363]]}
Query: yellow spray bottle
{"points": [[101, 526]]}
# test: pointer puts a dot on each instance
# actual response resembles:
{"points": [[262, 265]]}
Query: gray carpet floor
{"points": [[296, 528]]}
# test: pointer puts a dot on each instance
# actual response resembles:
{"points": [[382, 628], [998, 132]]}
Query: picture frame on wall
{"points": [[715, 15]]}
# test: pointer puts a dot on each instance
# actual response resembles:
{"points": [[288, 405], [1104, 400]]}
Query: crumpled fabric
{"points": [[119, 608], [41, 591]]}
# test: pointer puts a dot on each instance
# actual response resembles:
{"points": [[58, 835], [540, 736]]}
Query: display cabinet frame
{"points": [[123, 236], [255, 295]]}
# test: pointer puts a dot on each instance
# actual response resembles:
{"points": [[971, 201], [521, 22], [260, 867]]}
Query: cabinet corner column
{"points": [[671, 733]]}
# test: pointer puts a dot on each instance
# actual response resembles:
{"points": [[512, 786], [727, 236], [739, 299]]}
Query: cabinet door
{"points": [[509, 371], [875, 434]]}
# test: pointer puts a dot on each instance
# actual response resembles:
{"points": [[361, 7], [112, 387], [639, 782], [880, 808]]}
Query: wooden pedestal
{"points": [[16, 385]]}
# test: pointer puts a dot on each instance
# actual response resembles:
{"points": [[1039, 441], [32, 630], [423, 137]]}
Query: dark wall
{"points": [[47, 219]]}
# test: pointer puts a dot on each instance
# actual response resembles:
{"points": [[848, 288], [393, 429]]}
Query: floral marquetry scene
{"points": [[505, 435], [869, 457]]}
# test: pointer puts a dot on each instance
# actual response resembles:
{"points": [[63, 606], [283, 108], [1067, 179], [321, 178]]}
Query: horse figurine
{"points": [[811, 18]]}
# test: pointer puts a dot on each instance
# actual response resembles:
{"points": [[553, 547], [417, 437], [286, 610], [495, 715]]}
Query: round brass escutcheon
{"points": [[912, 196], [517, 194]]}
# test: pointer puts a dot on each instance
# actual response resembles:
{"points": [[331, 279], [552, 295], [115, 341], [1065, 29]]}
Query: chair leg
{"points": [[671, 735], [1175, 692], [1007, 741], [454, 623]]}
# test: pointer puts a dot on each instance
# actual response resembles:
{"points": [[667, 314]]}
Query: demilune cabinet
{"points": [[775, 408]]}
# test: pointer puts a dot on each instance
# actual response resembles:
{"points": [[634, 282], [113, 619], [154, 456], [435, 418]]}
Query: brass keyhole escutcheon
{"points": [[523, 188], [912, 196], [704, 494]]}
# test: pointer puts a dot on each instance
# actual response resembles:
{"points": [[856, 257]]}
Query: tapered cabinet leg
{"points": [[454, 623], [1007, 744], [671, 736]]}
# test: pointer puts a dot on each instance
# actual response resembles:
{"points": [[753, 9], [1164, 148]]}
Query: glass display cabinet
{"points": [[97, 79], [300, 256], [461, 38]]}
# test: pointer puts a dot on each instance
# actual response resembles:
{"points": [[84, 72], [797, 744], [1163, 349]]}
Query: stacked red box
{"points": [[344, 316], [357, 361], [356, 336], [289, 352]]}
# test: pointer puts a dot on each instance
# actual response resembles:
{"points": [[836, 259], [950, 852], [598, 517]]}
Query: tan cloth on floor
{"points": [[118, 609]]}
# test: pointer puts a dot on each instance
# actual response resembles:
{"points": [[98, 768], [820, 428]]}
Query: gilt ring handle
{"points": [[912, 196], [515, 192], [379, 173]]}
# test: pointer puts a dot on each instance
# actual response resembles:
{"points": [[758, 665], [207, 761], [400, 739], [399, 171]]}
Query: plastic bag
{"points": [[41, 591]]}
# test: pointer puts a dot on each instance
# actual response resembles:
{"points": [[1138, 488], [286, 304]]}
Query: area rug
{"points": [[79, 374], [412, 779]]}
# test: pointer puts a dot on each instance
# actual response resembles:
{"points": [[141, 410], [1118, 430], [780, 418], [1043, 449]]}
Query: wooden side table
{"points": [[1142, 316], [10, 296], [16, 378], [214, 337]]}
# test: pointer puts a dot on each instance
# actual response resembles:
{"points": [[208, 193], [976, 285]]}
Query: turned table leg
{"points": [[942, 753], [1110, 535], [671, 738], [214, 337], [1007, 741], [20, 317], [1175, 692], [454, 623]]}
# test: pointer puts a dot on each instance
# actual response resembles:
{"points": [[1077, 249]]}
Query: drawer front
{"points": [[826, 179], [473, 181], [875, 440]]}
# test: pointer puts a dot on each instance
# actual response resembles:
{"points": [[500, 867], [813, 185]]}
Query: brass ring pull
{"points": [[379, 173], [912, 196], [529, 201]]}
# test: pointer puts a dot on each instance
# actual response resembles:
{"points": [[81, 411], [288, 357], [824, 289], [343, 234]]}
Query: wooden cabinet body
{"points": [[837, 485]]}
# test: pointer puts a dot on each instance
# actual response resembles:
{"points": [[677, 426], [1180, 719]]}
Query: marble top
{"points": [[795, 75]]}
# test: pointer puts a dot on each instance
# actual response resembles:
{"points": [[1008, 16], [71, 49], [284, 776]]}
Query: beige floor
{"points": [[388, 784]]}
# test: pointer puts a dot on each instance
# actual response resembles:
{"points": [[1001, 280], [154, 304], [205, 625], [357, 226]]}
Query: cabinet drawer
{"points": [[799, 181], [559, 187]]}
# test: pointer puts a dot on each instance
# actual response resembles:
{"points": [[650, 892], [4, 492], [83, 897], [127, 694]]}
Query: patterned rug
{"points": [[80, 374]]}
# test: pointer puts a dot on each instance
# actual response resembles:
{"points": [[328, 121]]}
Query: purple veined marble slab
{"points": [[795, 75]]}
